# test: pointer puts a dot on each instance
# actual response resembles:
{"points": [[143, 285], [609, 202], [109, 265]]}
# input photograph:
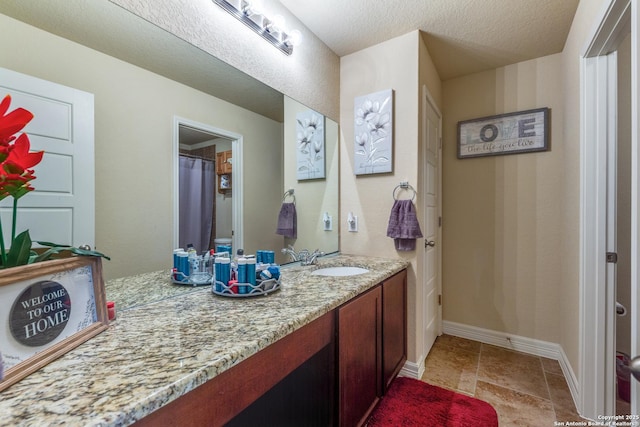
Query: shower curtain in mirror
{"points": [[197, 189]]}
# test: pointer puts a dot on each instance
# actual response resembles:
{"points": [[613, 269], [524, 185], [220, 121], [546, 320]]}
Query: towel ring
{"points": [[404, 186], [289, 193]]}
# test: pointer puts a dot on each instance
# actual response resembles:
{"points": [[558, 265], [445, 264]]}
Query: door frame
{"points": [[597, 295], [236, 177]]}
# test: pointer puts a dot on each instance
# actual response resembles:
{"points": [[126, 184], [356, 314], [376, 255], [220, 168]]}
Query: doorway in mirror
{"points": [[204, 200]]}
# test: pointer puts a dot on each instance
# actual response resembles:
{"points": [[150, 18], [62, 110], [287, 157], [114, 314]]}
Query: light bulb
{"points": [[294, 38], [254, 8], [278, 23]]}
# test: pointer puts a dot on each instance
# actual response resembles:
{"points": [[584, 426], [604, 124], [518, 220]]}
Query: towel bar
{"points": [[404, 186], [289, 193]]}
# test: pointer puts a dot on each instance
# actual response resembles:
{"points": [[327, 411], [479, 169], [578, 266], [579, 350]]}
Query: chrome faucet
{"points": [[310, 258], [291, 252], [304, 256]]}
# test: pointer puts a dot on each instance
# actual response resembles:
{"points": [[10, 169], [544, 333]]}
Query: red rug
{"points": [[410, 403]]}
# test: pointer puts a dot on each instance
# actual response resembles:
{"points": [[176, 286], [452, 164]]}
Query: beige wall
{"points": [[512, 223], [394, 64], [310, 75], [134, 112], [502, 215]]}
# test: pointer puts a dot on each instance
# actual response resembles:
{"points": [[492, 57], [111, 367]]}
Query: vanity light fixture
{"points": [[250, 13]]}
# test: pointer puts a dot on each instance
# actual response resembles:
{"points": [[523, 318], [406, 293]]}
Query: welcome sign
{"points": [[40, 313], [46, 309], [520, 132]]}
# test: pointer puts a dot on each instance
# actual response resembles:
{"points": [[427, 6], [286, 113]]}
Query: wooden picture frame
{"points": [[511, 133], [48, 308]]}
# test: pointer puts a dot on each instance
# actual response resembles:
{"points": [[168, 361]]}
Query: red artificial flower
{"points": [[13, 122], [20, 159], [15, 159]]}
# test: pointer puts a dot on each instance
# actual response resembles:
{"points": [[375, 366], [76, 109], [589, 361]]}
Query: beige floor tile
{"points": [[525, 390], [515, 408], [551, 366], [560, 394], [452, 368], [514, 370], [460, 343]]}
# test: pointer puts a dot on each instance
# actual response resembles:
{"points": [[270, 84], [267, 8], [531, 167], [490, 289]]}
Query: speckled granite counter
{"points": [[163, 347]]}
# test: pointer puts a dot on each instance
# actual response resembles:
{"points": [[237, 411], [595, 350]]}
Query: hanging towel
{"points": [[403, 225], [288, 221]]}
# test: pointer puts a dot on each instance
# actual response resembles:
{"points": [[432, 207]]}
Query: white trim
{"points": [[593, 201], [236, 177], [610, 233], [502, 339], [635, 192], [610, 30], [518, 343], [597, 396], [413, 369]]}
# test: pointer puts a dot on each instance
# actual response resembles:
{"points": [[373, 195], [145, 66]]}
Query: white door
{"points": [[61, 209], [635, 204], [432, 235]]}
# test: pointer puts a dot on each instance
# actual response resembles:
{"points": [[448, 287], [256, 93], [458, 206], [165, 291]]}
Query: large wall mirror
{"points": [[207, 99], [222, 187]]}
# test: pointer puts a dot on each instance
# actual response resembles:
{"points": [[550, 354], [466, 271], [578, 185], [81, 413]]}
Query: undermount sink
{"points": [[339, 271]]}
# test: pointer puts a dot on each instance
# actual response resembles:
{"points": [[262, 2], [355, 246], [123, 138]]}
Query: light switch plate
{"points": [[328, 223], [352, 226]]}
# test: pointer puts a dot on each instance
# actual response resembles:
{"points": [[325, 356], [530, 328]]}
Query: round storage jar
{"points": [[223, 244]]}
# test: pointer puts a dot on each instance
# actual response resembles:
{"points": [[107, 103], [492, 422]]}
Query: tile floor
{"points": [[525, 390]]}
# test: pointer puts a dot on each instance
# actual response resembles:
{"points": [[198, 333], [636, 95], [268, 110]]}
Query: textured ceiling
{"points": [[462, 36]]}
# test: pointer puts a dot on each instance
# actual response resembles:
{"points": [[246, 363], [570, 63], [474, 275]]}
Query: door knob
{"points": [[429, 243], [634, 365]]}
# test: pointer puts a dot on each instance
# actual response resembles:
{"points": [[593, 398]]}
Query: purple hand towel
{"points": [[403, 225], [288, 221]]}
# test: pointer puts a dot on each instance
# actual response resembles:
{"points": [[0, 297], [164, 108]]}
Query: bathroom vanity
{"points": [[320, 351]]}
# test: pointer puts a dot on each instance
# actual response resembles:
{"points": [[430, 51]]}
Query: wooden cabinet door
{"points": [[223, 166], [359, 343], [394, 326]]}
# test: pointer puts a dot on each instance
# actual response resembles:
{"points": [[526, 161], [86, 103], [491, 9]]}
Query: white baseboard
{"points": [[523, 344], [413, 369]]}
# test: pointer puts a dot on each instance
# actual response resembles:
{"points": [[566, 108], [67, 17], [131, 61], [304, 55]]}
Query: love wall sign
{"points": [[47, 309], [520, 132]]}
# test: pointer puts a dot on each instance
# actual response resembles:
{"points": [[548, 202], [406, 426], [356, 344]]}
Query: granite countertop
{"points": [[173, 338]]}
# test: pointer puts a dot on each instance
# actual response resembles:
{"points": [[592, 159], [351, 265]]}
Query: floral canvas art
{"points": [[310, 145], [373, 130]]}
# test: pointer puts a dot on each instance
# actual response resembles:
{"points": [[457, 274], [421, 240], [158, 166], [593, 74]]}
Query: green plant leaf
{"points": [[52, 244], [85, 252], [56, 249], [20, 250], [48, 254]]}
